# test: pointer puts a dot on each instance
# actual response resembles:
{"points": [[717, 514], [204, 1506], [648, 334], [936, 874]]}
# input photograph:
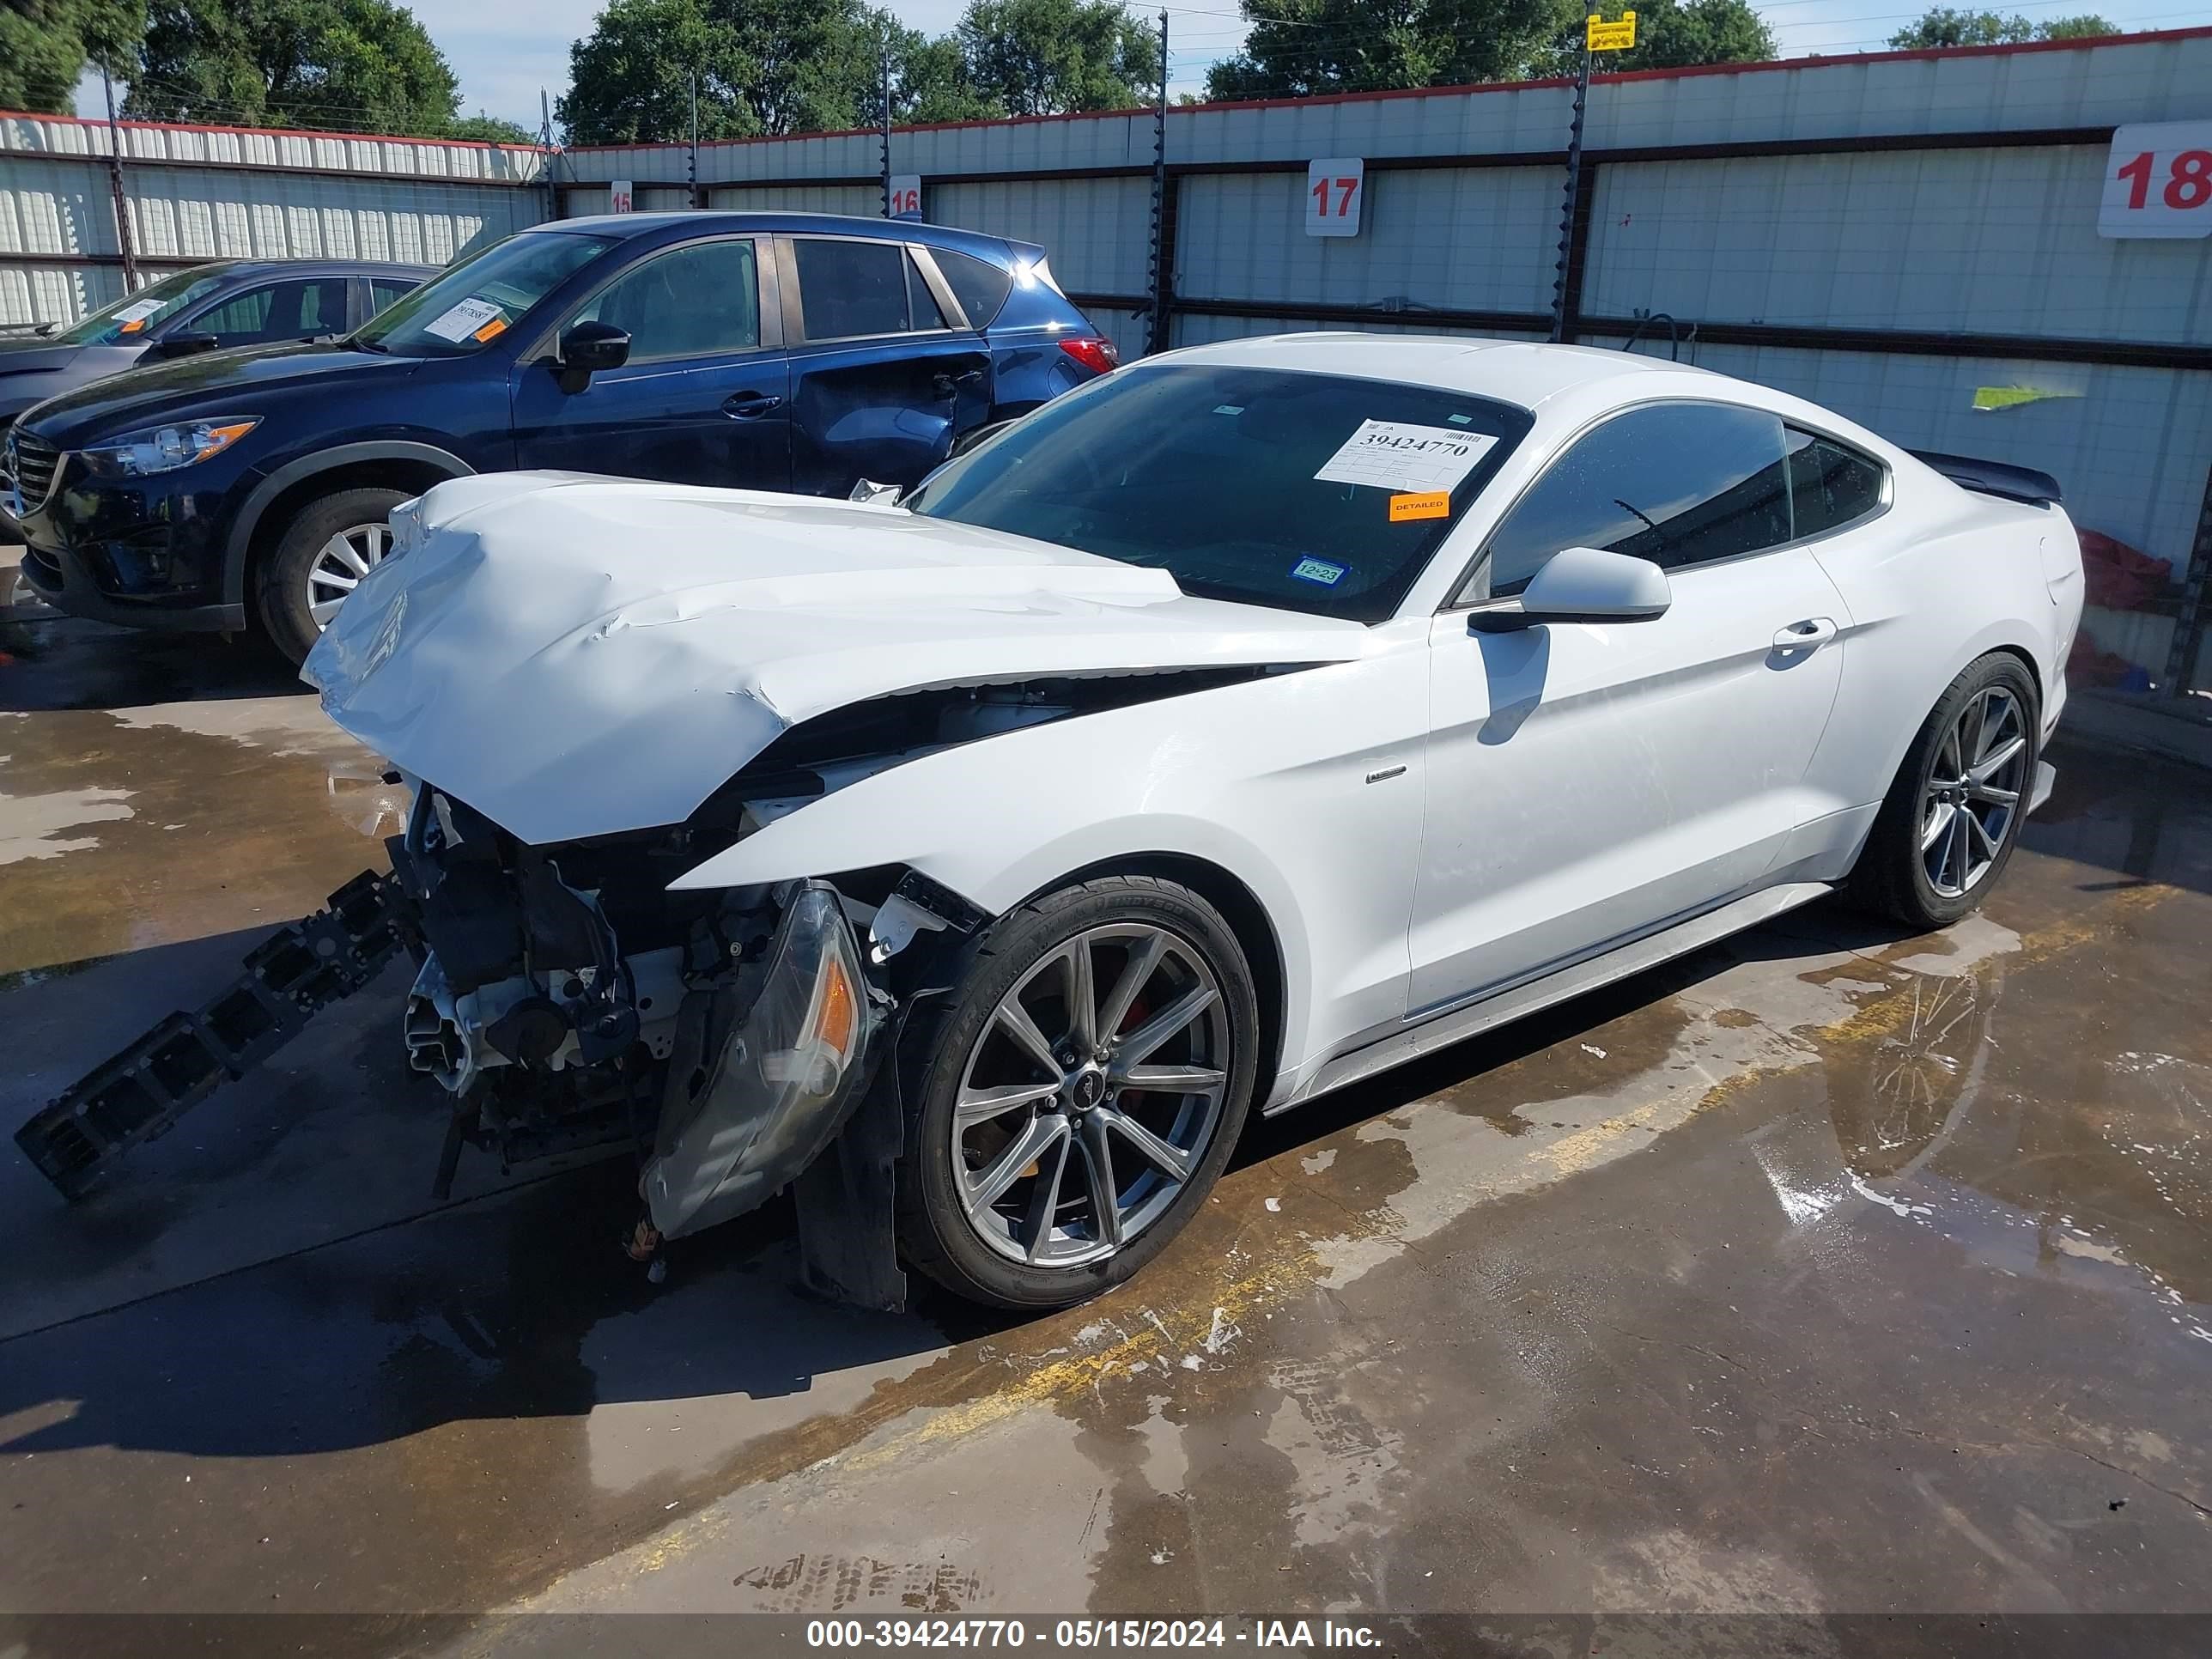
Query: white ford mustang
{"points": [[1253, 720]]}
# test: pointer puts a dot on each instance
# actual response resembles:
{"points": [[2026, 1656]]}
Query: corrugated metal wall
{"points": [[203, 193]]}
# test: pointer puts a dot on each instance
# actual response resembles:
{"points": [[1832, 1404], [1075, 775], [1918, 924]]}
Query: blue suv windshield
{"points": [[480, 295]]}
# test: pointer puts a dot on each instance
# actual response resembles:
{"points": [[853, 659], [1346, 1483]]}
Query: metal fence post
{"points": [[115, 186], [883, 68], [1574, 191], [1163, 277], [2182, 655]]}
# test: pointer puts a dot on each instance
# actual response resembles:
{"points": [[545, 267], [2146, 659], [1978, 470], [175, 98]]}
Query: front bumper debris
{"points": [[290, 977]]}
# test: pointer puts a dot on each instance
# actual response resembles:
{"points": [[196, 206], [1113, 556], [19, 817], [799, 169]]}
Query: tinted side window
{"points": [[382, 292], [696, 301], [1829, 485], [1676, 483], [980, 286], [848, 288], [282, 311]]}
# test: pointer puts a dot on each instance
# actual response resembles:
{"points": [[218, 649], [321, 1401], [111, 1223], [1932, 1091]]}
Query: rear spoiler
{"points": [[2014, 483]]}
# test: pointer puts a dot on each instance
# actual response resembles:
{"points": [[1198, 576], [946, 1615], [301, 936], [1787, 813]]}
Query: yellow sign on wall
{"points": [[1612, 37]]}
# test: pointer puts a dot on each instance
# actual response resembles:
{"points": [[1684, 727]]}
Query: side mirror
{"points": [[183, 344], [589, 346], [1583, 585], [869, 493]]}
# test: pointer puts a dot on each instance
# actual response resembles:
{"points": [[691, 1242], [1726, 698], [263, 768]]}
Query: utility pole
{"points": [[884, 71], [691, 176], [1156, 334], [115, 186], [551, 160], [1574, 186]]}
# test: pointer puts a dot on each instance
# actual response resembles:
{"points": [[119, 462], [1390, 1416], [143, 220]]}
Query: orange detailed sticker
{"points": [[1426, 504], [132, 326], [491, 330]]}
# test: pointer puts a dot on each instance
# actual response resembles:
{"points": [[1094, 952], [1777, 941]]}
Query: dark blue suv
{"points": [[767, 351]]}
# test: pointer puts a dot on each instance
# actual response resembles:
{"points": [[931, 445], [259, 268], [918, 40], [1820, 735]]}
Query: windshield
{"points": [[480, 295], [139, 313], [1307, 492]]}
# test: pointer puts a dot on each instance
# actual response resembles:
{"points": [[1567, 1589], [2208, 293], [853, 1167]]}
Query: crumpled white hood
{"points": [[576, 656]]}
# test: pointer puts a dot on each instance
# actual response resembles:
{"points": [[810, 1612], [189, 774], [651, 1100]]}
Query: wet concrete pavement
{"points": [[1826, 1271]]}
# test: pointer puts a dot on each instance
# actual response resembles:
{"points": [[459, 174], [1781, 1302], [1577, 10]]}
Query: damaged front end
{"points": [[565, 1000]]}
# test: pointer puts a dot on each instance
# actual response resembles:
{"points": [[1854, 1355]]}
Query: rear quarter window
{"points": [[980, 286]]}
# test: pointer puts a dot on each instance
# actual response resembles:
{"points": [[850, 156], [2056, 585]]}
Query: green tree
{"points": [[1298, 48], [1052, 57], [629, 79], [1941, 26], [482, 129], [326, 65], [764, 66], [1668, 36], [44, 46], [929, 80]]}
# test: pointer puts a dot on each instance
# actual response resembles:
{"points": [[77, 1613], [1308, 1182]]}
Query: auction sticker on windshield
{"points": [[1404, 459], [463, 319]]}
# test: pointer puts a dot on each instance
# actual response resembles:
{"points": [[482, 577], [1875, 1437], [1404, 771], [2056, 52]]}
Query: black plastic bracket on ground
{"points": [[288, 978]]}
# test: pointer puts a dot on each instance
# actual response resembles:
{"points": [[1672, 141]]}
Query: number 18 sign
{"points": [[1333, 188], [2158, 181]]}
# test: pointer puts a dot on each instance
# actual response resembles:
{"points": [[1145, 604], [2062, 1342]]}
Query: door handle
{"points": [[947, 386], [750, 405], [1806, 634]]}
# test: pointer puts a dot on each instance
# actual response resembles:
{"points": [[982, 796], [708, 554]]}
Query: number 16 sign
{"points": [[1333, 188], [2158, 181]]}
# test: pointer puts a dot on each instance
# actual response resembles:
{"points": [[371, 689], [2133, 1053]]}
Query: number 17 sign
{"points": [[2158, 181], [1333, 188]]}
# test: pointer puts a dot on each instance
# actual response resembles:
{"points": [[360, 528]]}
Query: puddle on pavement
{"points": [[121, 831]]}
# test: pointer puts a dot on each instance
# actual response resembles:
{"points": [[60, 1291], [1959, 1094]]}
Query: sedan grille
{"points": [[32, 463]]}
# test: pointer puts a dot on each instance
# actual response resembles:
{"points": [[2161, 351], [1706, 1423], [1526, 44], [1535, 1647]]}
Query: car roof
{"points": [[710, 219], [1518, 372], [314, 267]]}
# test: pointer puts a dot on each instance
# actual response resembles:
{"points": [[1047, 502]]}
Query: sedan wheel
{"points": [[1951, 819], [340, 564], [1974, 794], [1091, 1095], [1074, 1098]]}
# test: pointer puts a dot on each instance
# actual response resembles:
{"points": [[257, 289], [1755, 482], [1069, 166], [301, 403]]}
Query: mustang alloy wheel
{"points": [[1081, 1094], [1952, 817], [1972, 796]]}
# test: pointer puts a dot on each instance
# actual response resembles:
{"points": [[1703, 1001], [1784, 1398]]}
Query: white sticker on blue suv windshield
{"points": [[1399, 457], [458, 322], [1318, 570]]}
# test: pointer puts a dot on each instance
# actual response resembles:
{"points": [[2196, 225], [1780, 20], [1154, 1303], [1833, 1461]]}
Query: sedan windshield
{"points": [[138, 313], [478, 297], [1307, 492]]}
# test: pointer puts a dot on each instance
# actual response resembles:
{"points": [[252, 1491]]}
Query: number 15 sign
{"points": [[1333, 188], [2158, 181]]}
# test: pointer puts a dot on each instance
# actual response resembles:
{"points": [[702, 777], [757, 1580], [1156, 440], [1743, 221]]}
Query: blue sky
{"points": [[505, 53]]}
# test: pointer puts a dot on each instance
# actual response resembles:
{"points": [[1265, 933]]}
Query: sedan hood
{"points": [[578, 656], [29, 354]]}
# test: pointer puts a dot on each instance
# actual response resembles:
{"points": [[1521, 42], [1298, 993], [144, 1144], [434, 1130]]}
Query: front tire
{"points": [[1078, 1094], [332, 543], [1947, 828]]}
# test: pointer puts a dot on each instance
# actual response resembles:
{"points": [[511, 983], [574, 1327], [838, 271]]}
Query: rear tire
{"points": [[1947, 827], [1078, 1099], [303, 573]]}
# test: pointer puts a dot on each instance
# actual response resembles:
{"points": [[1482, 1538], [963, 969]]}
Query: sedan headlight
{"points": [[165, 448]]}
